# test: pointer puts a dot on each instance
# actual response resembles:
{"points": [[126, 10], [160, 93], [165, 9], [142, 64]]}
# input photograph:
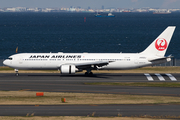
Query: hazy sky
{"points": [[92, 3]]}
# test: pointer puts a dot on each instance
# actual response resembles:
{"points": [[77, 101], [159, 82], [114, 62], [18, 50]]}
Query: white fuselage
{"points": [[55, 60], [69, 63]]}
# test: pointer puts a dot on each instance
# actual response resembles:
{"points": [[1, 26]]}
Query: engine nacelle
{"points": [[68, 69]]}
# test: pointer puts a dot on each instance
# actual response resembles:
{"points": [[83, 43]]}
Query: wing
{"points": [[93, 65]]}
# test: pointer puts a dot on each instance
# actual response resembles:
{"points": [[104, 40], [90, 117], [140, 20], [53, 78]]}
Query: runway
{"points": [[75, 83], [53, 82], [88, 110]]}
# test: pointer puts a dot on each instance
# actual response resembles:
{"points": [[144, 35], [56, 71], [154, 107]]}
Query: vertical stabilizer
{"points": [[159, 46]]}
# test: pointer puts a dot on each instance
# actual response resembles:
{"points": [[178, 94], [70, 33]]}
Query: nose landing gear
{"points": [[16, 74]]}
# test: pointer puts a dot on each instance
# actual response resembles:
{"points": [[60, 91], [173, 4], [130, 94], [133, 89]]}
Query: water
{"points": [[67, 32]]}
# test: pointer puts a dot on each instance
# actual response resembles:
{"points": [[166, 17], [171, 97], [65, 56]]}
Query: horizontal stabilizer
{"points": [[160, 59]]}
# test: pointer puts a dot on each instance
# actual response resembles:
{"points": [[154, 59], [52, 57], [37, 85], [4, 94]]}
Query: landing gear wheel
{"points": [[16, 70], [91, 73], [17, 74], [86, 73]]}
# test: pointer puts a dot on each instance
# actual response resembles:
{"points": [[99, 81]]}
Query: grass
{"points": [[138, 70], [145, 70], [6, 69], [79, 118], [54, 98], [146, 84]]}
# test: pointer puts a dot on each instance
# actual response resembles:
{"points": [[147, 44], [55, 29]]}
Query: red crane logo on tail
{"points": [[161, 44]]}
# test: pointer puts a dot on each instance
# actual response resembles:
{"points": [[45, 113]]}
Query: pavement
{"points": [[88, 110], [54, 82]]}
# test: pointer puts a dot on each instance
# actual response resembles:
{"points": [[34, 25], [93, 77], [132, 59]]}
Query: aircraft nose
{"points": [[5, 62]]}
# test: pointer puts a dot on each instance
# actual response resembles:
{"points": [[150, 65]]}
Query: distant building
{"points": [[102, 6], [1, 10], [11, 9], [72, 9], [22, 9], [89, 9]]}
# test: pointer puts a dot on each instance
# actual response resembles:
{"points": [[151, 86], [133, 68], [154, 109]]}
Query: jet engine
{"points": [[68, 69]]}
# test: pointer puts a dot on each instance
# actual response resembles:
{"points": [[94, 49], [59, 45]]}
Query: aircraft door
{"points": [[20, 61], [136, 60]]}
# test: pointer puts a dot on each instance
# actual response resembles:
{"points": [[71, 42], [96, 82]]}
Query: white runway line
{"points": [[171, 77], [149, 77], [160, 77]]}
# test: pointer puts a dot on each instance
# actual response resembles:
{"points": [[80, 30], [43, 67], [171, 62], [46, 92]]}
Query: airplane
{"points": [[70, 63]]}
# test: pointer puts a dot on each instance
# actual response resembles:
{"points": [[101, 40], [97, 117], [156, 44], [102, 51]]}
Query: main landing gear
{"points": [[16, 70], [88, 73]]}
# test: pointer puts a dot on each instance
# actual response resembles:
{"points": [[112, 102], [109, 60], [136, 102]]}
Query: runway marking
{"points": [[171, 77], [149, 77], [160, 77]]}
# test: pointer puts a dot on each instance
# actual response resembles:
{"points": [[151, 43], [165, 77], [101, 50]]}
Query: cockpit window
{"points": [[9, 58]]}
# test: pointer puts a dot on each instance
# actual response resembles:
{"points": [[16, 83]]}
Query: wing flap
{"points": [[92, 64]]}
